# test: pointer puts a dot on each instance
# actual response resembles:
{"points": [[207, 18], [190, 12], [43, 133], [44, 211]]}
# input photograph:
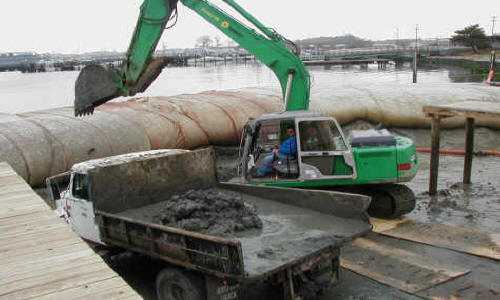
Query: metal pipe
{"points": [[288, 88], [269, 33]]}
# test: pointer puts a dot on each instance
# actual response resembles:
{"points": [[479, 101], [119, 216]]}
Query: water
{"points": [[28, 92]]}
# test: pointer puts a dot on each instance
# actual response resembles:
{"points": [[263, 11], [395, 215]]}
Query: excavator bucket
{"points": [[95, 85]]}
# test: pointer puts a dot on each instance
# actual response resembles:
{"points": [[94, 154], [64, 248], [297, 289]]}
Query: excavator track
{"points": [[389, 201]]}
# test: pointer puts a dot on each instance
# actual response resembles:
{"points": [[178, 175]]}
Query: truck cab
{"points": [[70, 192]]}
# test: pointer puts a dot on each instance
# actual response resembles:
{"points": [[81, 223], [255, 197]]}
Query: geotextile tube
{"points": [[394, 104], [45, 143]]}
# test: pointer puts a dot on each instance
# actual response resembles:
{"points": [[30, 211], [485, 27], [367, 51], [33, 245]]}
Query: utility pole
{"points": [[493, 53], [397, 37], [493, 21], [415, 56]]}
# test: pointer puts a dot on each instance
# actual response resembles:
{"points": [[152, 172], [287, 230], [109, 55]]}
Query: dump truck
{"points": [[297, 246]]}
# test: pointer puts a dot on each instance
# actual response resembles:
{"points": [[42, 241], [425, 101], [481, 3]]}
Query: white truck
{"points": [[297, 246]]}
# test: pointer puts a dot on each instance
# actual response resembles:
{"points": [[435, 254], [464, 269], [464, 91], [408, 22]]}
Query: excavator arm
{"points": [[96, 85]]}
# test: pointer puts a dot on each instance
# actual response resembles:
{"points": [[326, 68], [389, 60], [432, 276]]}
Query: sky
{"points": [[71, 26]]}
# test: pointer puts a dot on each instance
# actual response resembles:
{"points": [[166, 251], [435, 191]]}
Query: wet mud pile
{"points": [[207, 211]]}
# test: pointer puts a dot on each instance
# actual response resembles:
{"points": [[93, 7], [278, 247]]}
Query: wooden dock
{"points": [[470, 110], [41, 257]]}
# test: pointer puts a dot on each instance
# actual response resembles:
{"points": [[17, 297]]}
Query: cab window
{"points": [[81, 186], [320, 136]]}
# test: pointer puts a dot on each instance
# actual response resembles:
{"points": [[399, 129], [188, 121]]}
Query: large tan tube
{"points": [[394, 104], [45, 143]]}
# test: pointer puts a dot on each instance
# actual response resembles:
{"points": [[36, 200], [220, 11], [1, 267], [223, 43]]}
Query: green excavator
{"points": [[371, 162]]}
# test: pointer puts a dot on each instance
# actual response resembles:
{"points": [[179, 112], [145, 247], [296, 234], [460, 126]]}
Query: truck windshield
{"points": [[81, 186], [320, 135]]}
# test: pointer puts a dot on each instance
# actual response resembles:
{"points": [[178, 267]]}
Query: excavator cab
{"points": [[320, 151]]}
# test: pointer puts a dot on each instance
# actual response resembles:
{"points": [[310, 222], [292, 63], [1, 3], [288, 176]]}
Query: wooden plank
{"points": [[113, 288], [8, 245], [18, 211], [40, 227], [462, 239], [469, 150], [396, 267], [45, 261], [36, 237], [6, 192], [49, 282], [434, 164], [8, 253], [41, 217], [41, 256], [27, 218], [54, 248], [471, 109], [381, 225], [463, 288], [27, 272], [11, 193]]}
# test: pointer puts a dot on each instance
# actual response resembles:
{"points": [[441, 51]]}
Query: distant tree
{"points": [[217, 41], [472, 36], [347, 41], [204, 41]]}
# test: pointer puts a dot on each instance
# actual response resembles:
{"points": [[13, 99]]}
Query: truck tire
{"points": [[174, 284]]}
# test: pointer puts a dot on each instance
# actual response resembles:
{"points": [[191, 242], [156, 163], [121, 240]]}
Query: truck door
{"points": [[57, 189], [81, 209], [323, 152]]}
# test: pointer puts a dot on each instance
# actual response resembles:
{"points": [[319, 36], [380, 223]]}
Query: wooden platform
{"points": [[41, 257], [469, 110]]}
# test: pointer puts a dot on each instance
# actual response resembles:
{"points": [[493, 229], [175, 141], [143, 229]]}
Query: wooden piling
{"points": [[435, 136], [470, 109], [469, 150]]}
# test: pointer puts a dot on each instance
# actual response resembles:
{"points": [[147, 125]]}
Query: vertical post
{"points": [[435, 136], [469, 150], [288, 291], [415, 56]]}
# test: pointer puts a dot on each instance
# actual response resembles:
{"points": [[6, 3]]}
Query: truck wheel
{"points": [[173, 284]]}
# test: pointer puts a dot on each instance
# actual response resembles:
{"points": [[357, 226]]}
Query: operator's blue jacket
{"points": [[289, 146]]}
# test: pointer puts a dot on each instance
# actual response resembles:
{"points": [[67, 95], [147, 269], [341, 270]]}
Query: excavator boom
{"points": [[97, 85]]}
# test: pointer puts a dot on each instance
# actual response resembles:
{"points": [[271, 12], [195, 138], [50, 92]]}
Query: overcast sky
{"points": [[71, 26]]}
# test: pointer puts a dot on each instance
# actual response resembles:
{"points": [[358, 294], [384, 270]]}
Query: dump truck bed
{"points": [[290, 233]]}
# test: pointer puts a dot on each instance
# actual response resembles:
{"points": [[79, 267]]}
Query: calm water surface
{"points": [[28, 92]]}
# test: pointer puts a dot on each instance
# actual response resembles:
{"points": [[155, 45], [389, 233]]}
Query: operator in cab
{"points": [[287, 151]]}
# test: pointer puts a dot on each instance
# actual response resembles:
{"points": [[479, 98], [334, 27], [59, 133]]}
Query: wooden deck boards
{"points": [[474, 109], [41, 257]]}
